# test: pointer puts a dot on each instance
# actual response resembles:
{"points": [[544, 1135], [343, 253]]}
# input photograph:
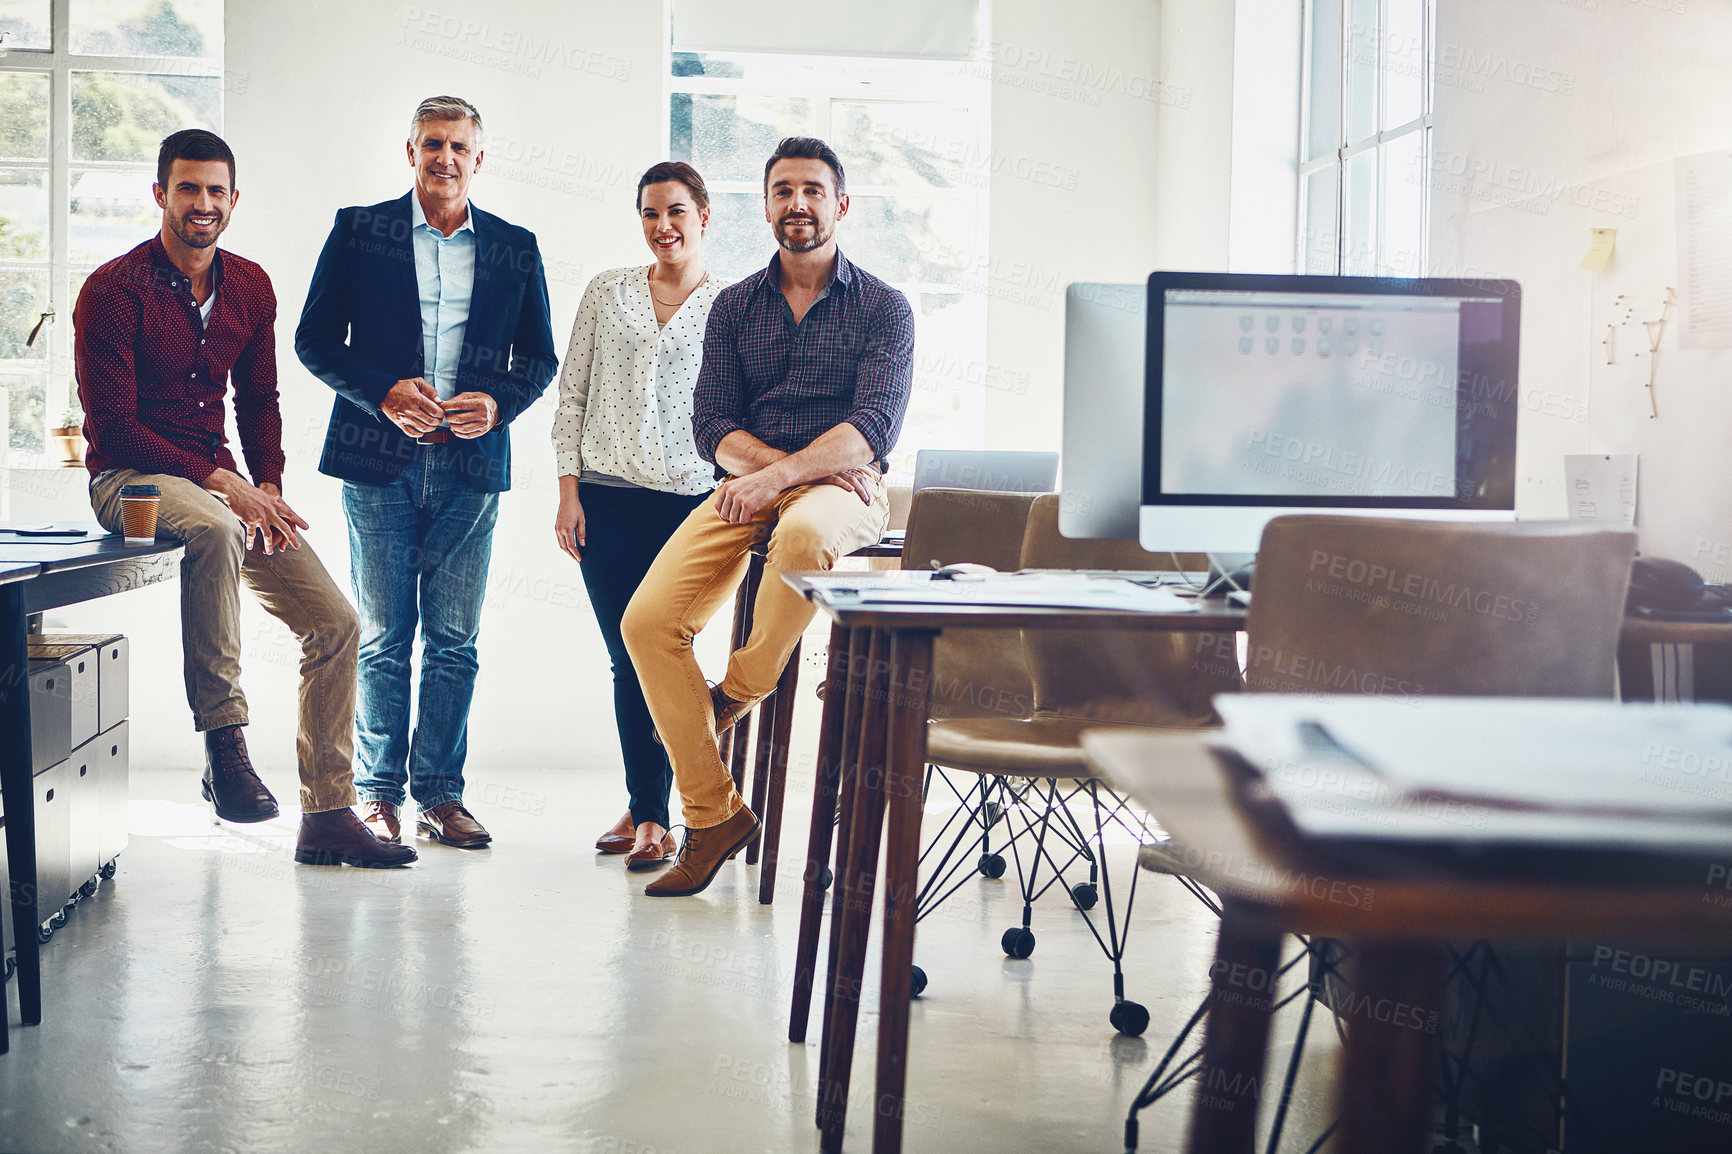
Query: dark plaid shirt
{"points": [[851, 358], [152, 376]]}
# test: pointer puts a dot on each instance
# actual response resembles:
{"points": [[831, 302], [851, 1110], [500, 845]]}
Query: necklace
{"points": [[682, 300]]}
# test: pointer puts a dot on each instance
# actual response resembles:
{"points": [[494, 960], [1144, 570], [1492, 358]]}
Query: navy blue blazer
{"points": [[360, 333]]}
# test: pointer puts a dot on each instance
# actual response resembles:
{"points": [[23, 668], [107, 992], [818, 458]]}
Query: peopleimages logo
{"points": [[1417, 586]]}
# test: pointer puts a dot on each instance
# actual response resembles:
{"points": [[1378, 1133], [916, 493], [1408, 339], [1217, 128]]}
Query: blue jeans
{"points": [[625, 529], [418, 553]]}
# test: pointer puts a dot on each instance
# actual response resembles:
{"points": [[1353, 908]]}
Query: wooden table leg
{"points": [[859, 665], [831, 755], [780, 730], [1236, 1039], [856, 882], [1390, 1064], [16, 786], [910, 668]]}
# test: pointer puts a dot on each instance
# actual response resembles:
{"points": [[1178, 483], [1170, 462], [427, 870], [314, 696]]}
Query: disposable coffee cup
{"points": [[138, 511]]}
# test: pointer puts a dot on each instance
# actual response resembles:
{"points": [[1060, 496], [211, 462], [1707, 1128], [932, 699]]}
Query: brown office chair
{"points": [[1084, 679], [1402, 608]]}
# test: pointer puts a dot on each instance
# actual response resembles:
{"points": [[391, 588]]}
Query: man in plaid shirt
{"points": [[806, 375]]}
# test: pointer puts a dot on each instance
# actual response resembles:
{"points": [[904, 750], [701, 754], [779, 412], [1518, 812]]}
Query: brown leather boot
{"points": [[451, 824], [702, 855], [337, 837], [381, 818], [230, 784], [726, 710]]}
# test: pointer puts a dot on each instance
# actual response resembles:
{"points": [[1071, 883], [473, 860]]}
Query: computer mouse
{"points": [[961, 569], [1666, 585]]}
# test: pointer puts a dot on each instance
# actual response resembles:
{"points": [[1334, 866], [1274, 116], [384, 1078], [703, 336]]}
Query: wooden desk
{"points": [[872, 752], [37, 575], [1390, 1060], [1656, 659]]}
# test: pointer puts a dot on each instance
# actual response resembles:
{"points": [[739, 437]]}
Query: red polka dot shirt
{"points": [[152, 374]]}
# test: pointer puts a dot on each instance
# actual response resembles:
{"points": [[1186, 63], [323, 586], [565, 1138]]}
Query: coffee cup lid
{"points": [[140, 491]]}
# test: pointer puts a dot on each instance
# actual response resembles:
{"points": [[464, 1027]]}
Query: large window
{"points": [[908, 133], [88, 89], [1366, 137]]}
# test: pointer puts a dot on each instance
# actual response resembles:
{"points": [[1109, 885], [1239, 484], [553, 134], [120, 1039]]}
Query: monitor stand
{"points": [[1228, 572]]}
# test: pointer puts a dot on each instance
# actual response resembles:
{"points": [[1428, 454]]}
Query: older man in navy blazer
{"points": [[429, 319]]}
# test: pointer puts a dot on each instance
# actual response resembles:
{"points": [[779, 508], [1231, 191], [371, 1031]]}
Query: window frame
{"points": [[58, 62], [1344, 148]]}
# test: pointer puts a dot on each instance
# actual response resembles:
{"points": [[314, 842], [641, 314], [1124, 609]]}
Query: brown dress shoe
{"points": [[381, 817], [652, 855], [229, 781], [726, 710], [337, 837], [702, 855], [611, 842], [451, 824]]}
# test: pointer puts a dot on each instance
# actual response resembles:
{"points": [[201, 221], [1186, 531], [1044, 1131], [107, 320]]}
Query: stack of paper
{"points": [[1493, 770], [1018, 590]]}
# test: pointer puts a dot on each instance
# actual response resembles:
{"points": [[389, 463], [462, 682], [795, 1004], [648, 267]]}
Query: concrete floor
{"points": [[217, 997]]}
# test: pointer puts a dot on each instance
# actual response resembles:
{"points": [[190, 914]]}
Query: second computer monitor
{"points": [[1281, 394]]}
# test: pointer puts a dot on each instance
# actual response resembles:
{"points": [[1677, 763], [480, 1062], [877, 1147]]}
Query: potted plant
{"points": [[69, 437]]}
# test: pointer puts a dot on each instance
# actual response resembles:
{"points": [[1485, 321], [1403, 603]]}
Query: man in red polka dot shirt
{"points": [[161, 334]]}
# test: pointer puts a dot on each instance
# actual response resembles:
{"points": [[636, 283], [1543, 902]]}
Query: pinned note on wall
{"points": [[1599, 253], [1601, 487]]}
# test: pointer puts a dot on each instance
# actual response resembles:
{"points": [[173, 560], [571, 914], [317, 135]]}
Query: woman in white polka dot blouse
{"points": [[629, 470]]}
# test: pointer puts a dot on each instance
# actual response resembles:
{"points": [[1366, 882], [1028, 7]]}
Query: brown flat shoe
{"points": [[652, 856], [381, 818], [337, 837], [615, 843], [451, 824], [702, 855]]}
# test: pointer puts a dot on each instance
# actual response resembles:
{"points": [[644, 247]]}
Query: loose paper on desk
{"points": [[1601, 487], [1007, 590], [1599, 253], [1504, 770], [1704, 193]]}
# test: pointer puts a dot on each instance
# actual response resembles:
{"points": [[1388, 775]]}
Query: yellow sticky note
{"points": [[1600, 251]]}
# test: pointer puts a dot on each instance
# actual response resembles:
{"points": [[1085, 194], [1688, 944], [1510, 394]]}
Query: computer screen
{"points": [[1105, 337], [1273, 394]]}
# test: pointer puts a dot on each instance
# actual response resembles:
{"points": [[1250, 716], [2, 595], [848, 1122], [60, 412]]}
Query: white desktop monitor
{"points": [[1105, 331], [1272, 394]]}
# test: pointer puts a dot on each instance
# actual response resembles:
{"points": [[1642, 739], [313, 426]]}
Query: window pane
{"points": [[1403, 206], [25, 23], [1359, 215], [732, 135], [24, 116], [23, 214], [125, 115], [1361, 69], [23, 299], [111, 213], [26, 408], [908, 238], [192, 28], [1317, 255], [1404, 62], [1323, 132], [909, 146], [737, 241]]}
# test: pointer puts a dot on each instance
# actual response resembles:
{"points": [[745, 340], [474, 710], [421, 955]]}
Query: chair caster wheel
{"points": [[991, 865], [88, 889], [106, 871], [58, 920], [1085, 895], [8, 968], [990, 814], [825, 877], [1129, 1019], [44, 932], [1017, 942], [916, 982]]}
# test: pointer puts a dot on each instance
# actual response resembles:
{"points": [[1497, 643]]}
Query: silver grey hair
{"points": [[444, 108]]}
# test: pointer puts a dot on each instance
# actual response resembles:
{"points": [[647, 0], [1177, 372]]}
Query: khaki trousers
{"points": [[809, 527], [293, 587]]}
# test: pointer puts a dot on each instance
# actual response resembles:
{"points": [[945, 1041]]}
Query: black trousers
{"points": [[624, 529]]}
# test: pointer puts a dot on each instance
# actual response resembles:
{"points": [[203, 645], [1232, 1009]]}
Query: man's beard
{"points": [[820, 237], [197, 240]]}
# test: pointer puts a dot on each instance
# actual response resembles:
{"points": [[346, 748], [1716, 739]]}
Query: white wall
{"points": [[1551, 119]]}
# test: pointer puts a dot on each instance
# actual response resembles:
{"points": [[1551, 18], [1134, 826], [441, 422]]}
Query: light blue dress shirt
{"points": [[445, 278]]}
